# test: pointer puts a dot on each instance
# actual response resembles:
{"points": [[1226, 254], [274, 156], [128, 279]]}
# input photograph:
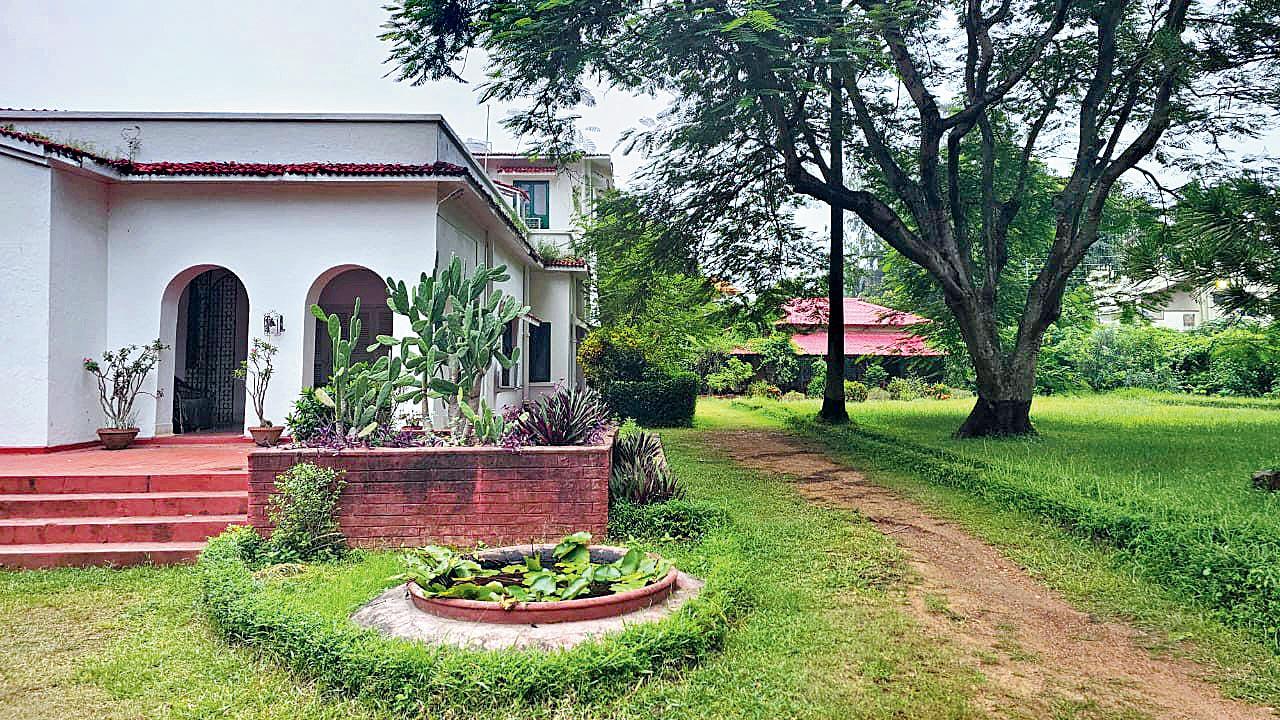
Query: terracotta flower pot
{"points": [[266, 436], [117, 438]]}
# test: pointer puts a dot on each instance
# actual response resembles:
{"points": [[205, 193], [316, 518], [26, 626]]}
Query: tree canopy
{"points": [[1099, 83]]}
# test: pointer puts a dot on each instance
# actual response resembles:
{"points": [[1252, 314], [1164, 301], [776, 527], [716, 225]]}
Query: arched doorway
{"points": [[210, 313], [336, 292]]}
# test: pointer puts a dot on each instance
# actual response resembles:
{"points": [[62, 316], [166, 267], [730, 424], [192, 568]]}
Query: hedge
{"points": [[1235, 571], [668, 402], [409, 678], [674, 519]]}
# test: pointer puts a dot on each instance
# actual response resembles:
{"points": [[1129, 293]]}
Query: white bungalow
{"points": [[206, 230]]}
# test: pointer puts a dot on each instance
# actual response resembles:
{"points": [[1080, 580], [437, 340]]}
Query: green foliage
{"points": [[876, 376], [1239, 359], [855, 391], [404, 678], [779, 362], [671, 520], [304, 510], [792, 396], [668, 402], [120, 382], [1225, 237], [257, 369], [569, 416], [441, 572], [607, 354], [361, 395], [309, 416], [732, 378], [762, 389], [458, 323], [639, 474], [818, 382], [906, 388]]}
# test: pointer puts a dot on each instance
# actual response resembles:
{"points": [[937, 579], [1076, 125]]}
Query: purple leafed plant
{"points": [[330, 438], [569, 416]]}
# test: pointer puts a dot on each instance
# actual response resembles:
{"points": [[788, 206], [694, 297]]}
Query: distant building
{"points": [[873, 334], [1163, 302]]}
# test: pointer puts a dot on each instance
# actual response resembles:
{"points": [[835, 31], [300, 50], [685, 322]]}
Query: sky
{"points": [[241, 56], [276, 56]]}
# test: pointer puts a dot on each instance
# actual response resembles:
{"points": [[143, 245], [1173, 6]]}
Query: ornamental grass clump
{"points": [[640, 475], [569, 416]]}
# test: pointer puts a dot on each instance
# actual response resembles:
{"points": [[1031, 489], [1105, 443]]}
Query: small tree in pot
{"points": [[120, 376], [257, 370]]}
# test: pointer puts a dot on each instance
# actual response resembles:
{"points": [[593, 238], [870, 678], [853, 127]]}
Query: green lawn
{"points": [[834, 645], [1141, 494], [1163, 460]]}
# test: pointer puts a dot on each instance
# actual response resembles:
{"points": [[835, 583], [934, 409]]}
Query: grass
{"points": [[1131, 452], [834, 644]]}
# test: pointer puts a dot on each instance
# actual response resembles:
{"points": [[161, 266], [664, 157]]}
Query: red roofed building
{"points": [[873, 334]]}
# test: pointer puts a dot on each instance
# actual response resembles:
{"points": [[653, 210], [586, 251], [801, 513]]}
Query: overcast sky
{"points": [[242, 56]]}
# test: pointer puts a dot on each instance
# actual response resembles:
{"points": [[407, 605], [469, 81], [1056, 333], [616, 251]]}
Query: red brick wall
{"points": [[453, 496]]}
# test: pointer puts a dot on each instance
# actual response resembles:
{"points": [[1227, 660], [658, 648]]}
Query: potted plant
{"points": [[411, 421], [257, 369], [120, 376]]}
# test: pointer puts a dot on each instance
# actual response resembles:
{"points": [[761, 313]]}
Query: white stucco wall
{"points": [[24, 292], [279, 240], [550, 293], [77, 305]]}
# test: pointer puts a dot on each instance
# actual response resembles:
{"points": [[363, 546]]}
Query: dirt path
{"points": [[1042, 657]]}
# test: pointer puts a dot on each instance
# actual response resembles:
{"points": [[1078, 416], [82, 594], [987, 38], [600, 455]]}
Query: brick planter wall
{"points": [[457, 496]]}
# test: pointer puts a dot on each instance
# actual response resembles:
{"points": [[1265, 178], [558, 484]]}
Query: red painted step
{"points": [[217, 480], [34, 557], [191, 528], [72, 505]]}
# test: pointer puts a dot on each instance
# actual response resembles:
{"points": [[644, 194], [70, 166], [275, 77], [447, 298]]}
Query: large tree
{"points": [[1099, 82]]}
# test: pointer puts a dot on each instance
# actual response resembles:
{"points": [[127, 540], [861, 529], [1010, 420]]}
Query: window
{"points": [[509, 377], [1188, 320], [540, 353], [537, 211]]}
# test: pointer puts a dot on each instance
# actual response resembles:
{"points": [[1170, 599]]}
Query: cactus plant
{"points": [[457, 339], [362, 395]]}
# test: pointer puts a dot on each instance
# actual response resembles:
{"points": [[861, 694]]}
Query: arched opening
{"points": [[205, 320], [336, 291]]}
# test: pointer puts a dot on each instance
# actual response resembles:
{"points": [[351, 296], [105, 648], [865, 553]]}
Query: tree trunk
{"points": [[833, 404], [1005, 389], [997, 418]]}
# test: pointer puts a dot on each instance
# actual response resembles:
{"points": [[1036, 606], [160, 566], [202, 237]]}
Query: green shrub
{"points": [[674, 519], [309, 416], [667, 402], [818, 382], [779, 362], [639, 474], [762, 389], [875, 376], [906, 388], [304, 510], [878, 393], [792, 396], [731, 378], [409, 679], [855, 391], [608, 354]]}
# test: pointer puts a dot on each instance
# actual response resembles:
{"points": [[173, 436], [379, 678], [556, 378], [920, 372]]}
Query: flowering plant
{"points": [[120, 376]]}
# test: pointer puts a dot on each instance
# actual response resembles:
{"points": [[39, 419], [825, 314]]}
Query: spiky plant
{"points": [[640, 474], [569, 416]]}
